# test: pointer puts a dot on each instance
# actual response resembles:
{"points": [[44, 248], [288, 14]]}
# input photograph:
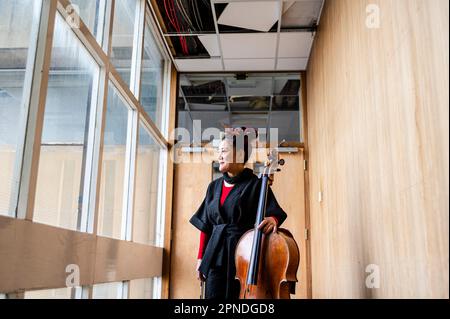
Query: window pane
{"points": [[141, 289], [70, 100], [123, 36], [152, 82], [146, 191], [113, 167], [17, 20], [63, 293], [90, 11], [113, 290]]}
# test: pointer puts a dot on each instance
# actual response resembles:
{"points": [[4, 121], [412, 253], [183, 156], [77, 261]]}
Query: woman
{"points": [[227, 212]]}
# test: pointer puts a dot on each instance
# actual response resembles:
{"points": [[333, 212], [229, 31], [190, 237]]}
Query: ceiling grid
{"points": [[239, 35]]}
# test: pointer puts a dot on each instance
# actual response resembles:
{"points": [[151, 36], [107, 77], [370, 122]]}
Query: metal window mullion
{"points": [[35, 123], [125, 290], [138, 44], [133, 128], [108, 27], [161, 204], [101, 123], [101, 22], [130, 168], [165, 102], [26, 98], [95, 156], [90, 151], [157, 287]]}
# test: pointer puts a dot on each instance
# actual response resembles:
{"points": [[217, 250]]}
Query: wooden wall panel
{"points": [[190, 183], [378, 144], [35, 256]]}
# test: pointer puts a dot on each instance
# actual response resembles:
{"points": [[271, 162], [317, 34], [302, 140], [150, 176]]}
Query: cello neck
{"points": [[252, 276]]}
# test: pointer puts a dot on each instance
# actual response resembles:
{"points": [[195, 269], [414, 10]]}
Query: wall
{"points": [[378, 137]]}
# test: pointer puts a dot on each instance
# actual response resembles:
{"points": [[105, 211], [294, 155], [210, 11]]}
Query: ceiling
{"points": [[238, 35]]}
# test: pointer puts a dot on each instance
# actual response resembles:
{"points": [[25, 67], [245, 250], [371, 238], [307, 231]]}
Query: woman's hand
{"points": [[199, 274], [268, 225], [271, 179]]}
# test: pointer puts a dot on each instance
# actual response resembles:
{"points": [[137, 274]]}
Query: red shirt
{"points": [[203, 236]]}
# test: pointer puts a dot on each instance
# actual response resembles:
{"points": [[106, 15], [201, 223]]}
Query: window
{"points": [[152, 81], [111, 220], [123, 37], [60, 293], [146, 189], [141, 289], [19, 21], [99, 165], [113, 290], [92, 12], [70, 105]]}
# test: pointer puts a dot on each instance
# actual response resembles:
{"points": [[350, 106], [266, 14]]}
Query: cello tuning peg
{"points": [[281, 162]]}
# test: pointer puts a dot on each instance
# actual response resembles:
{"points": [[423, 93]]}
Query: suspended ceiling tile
{"points": [[199, 65], [295, 44], [249, 64], [248, 45], [292, 64], [211, 44], [255, 15]]}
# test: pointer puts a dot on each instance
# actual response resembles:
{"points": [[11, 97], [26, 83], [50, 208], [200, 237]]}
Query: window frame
{"points": [[37, 93], [32, 65]]}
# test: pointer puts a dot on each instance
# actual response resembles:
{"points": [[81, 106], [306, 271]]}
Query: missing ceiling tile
{"points": [[300, 14]]}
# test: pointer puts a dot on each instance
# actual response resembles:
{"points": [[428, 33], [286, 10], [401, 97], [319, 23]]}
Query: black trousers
{"points": [[216, 285]]}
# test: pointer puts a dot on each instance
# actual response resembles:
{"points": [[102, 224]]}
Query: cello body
{"points": [[266, 265], [279, 261]]}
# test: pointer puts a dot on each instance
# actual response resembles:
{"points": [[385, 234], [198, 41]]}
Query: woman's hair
{"points": [[242, 139]]}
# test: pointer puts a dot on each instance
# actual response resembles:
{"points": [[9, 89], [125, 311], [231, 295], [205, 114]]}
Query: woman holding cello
{"points": [[227, 212]]}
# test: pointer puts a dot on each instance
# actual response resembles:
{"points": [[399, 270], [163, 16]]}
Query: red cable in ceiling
{"points": [[173, 19]]}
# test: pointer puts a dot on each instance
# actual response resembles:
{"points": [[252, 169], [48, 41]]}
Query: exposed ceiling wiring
{"points": [[184, 14], [169, 6], [197, 15]]}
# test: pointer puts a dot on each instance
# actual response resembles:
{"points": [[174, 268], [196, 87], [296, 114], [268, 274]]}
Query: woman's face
{"points": [[225, 156]]}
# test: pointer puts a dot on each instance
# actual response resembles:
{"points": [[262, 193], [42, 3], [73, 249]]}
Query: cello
{"points": [[266, 265]]}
